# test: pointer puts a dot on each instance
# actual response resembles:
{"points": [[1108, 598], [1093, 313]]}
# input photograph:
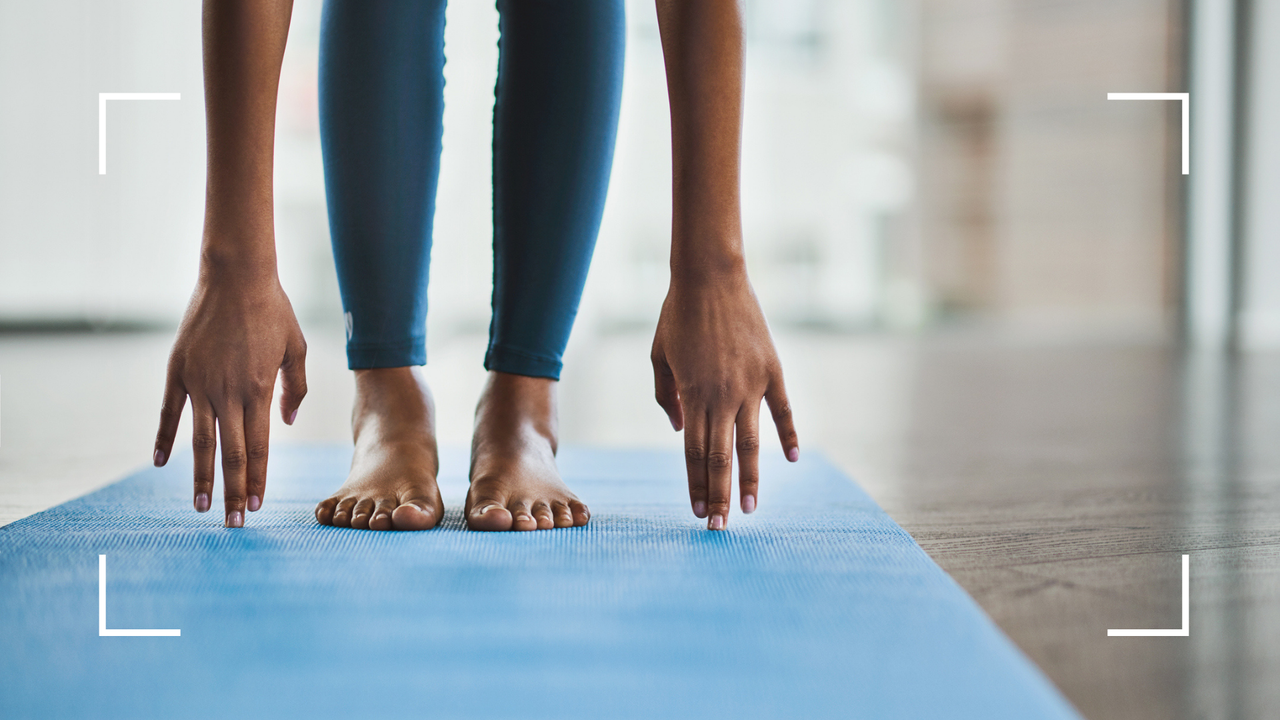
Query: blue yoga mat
{"points": [[818, 605]]}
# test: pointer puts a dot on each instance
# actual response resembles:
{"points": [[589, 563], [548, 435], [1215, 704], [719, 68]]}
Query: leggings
{"points": [[554, 123]]}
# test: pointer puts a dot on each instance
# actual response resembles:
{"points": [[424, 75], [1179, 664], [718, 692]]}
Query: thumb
{"points": [[293, 378], [664, 382]]}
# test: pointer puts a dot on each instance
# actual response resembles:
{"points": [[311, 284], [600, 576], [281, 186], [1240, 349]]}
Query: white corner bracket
{"points": [[1185, 630], [102, 611], [102, 118], [1186, 118]]}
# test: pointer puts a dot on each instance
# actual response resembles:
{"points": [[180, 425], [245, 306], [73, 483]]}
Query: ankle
{"points": [[519, 398]]}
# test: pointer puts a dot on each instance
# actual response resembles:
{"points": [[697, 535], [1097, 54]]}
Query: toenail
{"points": [[749, 504], [255, 502], [717, 522], [700, 508], [202, 502]]}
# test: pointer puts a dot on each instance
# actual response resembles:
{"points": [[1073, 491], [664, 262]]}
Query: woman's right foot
{"points": [[392, 483]]}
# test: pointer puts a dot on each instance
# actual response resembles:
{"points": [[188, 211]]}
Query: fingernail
{"points": [[235, 519], [793, 454], [255, 502], [158, 458], [674, 426], [293, 416], [717, 522], [699, 509], [202, 502], [749, 504]]}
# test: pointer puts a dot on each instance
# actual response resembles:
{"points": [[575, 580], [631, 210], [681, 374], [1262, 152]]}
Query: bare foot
{"points": [[392, 484], [514, 481]]}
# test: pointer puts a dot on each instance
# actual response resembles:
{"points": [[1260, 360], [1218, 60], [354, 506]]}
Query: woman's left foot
{"points": [[514, 481]]}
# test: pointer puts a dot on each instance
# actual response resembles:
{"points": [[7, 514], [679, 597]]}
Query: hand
{"points": [[233, 340], [713, 360]]}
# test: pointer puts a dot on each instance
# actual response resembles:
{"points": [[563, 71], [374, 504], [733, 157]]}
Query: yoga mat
{"points": [[817, 606]]}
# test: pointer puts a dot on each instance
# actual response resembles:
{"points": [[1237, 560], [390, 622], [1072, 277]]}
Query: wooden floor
{"points": [[1059, 482]]}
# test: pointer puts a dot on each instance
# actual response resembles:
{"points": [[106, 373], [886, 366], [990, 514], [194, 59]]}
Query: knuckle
{"points": [[259, 387], [695, 453], [783, 411], [234, 499], [203, 441], [748, 444], [233, 459], [258, 451], [718, 506], [719, 460]]}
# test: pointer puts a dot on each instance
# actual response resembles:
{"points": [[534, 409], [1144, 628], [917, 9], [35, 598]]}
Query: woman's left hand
{"points": [[713, 361]]}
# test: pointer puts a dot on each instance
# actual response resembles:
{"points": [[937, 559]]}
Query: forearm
{"points": [[702, 45], [244, 43]]}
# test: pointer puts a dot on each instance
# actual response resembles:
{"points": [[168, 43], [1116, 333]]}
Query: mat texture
{"points": [[818, 605]]}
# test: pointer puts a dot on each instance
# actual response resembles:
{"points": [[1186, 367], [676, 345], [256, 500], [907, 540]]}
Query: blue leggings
{"points": [[554, 122]]}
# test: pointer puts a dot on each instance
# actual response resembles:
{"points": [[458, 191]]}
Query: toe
{"points": [[382, 510], [324, 511], [342, 515], [361, 513], [413, 516], [581, 515], [563, 515], [488, 515], [542, 515], [521, 515], [416, 512]]}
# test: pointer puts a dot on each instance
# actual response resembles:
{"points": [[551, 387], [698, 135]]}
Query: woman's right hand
{"points": [[235, 337]]}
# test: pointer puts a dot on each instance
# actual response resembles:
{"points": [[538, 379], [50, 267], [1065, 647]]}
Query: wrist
{"points": [[238, 266], [707, 269]]}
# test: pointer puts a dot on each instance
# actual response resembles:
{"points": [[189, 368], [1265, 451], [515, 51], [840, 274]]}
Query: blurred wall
{"points": [[1260, 220], [75, 244], [1043, 204], [827, 178]]}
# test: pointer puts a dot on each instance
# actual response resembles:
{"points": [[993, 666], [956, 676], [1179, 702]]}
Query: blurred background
{"points": [[1000, 305]]}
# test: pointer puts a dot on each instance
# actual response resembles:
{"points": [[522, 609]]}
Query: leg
{"points": [[556, 116], [381, 102]]}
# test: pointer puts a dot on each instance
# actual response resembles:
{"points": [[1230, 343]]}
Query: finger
{"points": [[695, 459], [747, 442], [175, 398], [719, 470], [665, 391], [293, 379], [780, 408], [234, 464], [257, 434], [204, 445]]}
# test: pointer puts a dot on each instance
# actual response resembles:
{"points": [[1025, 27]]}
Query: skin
{"points": [[713, 358], [239, 330]]}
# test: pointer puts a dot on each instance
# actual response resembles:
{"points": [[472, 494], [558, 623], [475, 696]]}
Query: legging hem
{"points": [[388, 355], [518, 362]]}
